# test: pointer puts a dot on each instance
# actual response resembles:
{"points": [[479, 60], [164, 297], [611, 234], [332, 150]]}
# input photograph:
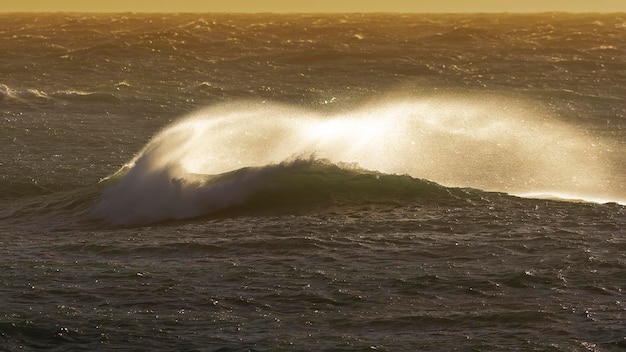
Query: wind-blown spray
{"points": [[498, 144]]}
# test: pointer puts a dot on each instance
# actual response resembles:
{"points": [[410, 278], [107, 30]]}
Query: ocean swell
{"points": [[226, 155]]}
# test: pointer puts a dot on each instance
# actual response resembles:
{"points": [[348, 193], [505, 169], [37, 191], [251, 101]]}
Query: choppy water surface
{"points": [[312, 182]]}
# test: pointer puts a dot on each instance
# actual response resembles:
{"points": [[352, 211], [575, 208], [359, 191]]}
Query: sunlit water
{"points": [[286, 182]]}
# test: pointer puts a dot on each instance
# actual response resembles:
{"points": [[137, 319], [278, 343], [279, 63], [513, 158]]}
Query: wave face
{"points": [[222, 156]]}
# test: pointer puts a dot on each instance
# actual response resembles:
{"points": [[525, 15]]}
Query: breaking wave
{"points": [[28, 95], [229, 155]]}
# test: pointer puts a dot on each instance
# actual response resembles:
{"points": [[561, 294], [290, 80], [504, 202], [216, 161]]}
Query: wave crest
{"points": [[223, 156], [35, 95], [143, 196]]}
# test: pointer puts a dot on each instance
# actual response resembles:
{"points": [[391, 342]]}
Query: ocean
{"points": [[312, 182]]}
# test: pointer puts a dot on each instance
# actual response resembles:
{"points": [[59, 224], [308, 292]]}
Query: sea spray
{"points": [[494, 144]]}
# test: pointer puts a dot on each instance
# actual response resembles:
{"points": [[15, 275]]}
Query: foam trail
{"points": [[497, 144]]}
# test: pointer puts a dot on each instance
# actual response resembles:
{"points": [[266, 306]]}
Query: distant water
{"points": [[312, 182]]}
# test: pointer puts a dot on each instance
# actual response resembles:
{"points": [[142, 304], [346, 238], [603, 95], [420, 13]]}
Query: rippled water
{"points": [[312, 182]]}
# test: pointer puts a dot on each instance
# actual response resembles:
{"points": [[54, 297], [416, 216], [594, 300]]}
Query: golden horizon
{"points": [[320, 6]]}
